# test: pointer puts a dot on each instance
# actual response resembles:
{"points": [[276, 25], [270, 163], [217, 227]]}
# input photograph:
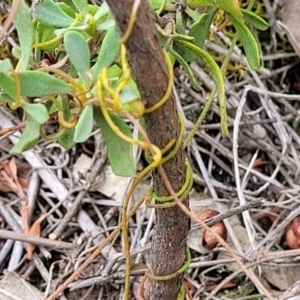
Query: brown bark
{"points": [[168, 247]]}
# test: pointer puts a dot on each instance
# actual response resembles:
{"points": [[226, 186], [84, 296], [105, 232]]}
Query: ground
{"points": [[259, 161]]}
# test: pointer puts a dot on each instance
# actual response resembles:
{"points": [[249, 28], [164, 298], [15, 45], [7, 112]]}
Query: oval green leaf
{"points": [[79, 54], [81, 5], [37, 111], [67, 138], [16, 52], [29, 137], [93, 9], [230, 6], [24, 28], [84, 126], [5, 97], [198, 3], [39, 84], [50, 14], [106, 25], [109, 51], [255, 20], [156, 4], [102, 13], [46, 33], [199, 30], [129, 92], [8, 84], [249, 42], [68, 8], [5, 66], [120, 153]]}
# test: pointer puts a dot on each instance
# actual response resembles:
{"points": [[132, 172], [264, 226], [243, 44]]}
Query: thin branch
{"points": [[16, 236]]}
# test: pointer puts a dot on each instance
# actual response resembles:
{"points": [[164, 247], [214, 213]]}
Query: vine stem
{"points": [[187, 212], [108, 240], [254, 279]]}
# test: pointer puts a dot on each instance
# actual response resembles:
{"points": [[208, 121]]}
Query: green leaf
{"points": [[93, 9], [194, 15], [39, 84], [129, 94], [50, 14], [187, 69], [37, 111], [180, 26], [120, 153], [106, 25], [68, 8], [84, 126], [249, 42], [230, 6], [46, 33], [79, 54], [16, 52], [24, 28], [5, 97], [218, 79], [81, 5], [8, 84], [255, 20], [53, 108], [130, 91], [199, 30], [109, 51], [67, 138], [80, 29], [114, 72], [156, 4], [5, 66], [102, 13], [198, 3], [29, 137]]}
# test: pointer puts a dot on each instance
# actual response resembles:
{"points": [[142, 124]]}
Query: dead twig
{"points": [[39, 241]]}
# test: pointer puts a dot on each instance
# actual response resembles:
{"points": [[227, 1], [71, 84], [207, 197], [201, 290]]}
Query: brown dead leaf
{"points": [[11, 182], [140, 291], [23, 182], [6, 183], [290, 13], [35, 230], [9, 179], [187, 286], [260, 166]]}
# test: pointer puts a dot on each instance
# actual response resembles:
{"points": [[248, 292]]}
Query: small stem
{"points": [[131, 22]]}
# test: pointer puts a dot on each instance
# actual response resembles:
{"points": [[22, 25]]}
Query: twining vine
{"points": [[108, 93]]}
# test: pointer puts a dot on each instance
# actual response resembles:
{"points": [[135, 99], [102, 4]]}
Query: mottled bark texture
{"points": [[168, 247]]}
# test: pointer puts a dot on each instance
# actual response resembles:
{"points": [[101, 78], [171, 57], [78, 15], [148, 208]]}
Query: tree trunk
{"points": [[168, 247]]}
